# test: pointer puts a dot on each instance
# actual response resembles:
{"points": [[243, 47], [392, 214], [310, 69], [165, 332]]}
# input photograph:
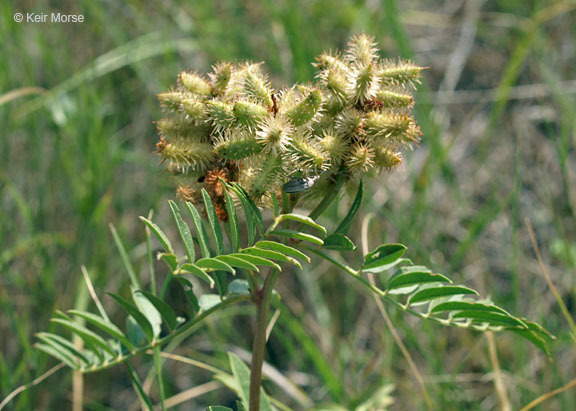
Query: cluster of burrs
{"points": [[232, 126]]}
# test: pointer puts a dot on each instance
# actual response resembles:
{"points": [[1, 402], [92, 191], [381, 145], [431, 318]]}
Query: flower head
{"points": [[231, 125]]}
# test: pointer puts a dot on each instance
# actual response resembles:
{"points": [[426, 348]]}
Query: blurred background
{"points": [[498, 114]]}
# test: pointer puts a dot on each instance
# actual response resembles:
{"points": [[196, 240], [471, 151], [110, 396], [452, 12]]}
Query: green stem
{"points": [[261, 297], [333, 191], [262, 300]]}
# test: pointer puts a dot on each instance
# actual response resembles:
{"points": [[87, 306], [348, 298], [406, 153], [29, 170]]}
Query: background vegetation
{"points": [[77, 108]]}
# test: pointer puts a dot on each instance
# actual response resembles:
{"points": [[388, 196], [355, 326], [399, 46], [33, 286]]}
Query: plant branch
{"points": [[262, 300], [187, 327], [333, 191], [390, 324]]}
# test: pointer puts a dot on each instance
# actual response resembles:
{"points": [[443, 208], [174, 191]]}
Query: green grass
{"points": [[80, 157]]}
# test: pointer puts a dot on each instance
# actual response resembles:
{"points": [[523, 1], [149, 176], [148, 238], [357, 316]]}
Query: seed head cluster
{"points": [[231, 125]]}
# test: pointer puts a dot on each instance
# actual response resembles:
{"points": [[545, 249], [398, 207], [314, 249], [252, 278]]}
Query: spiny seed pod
{"points": [[401, 73], [179, 127], [329, 61], [333, 144], [386, 158], [267, 176], [172, 100], [394, 127], [256, 87], [362, 50], [336, 82], [220, 114], [195, 83], [391, 99], [361, 159], [185, 155], [274, 134], [220, 77], [308, 156], [306, 109], [349, 122], [248, 114], [236, 146], [232, 125], [195, 109], [365, 83]]}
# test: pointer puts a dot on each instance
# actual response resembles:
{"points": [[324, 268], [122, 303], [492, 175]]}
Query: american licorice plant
{"points": [[239, 147]]}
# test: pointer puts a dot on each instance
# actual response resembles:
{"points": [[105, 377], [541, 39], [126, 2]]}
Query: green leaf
{"points": [[167, 313], [409, 279], [197, 271], [202, 236], [490, 317], [344, 226], [104, 325], [297, 235], [136, 315], [301, 219], [134, 332], [282, 248], [438, 292], [208, 301], [149, 311], [239, 286], [221, 279], [538, 329], [219, 408], [255, 212], [50, 350], [184, 231], [90, 338], [232, 222], [383, 258], [413, 268], [340, 242], [270, 255], [466, 305], [235, 261], [170, 259], [535, 339], [257, 260], [65, 346], [213, 264], [159, 234], [214, 223], [248, 213]]}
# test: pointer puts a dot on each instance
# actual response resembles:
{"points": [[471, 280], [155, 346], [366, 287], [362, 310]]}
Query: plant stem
{"points": [[333, 191], [262, 300], [261, 297]]}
